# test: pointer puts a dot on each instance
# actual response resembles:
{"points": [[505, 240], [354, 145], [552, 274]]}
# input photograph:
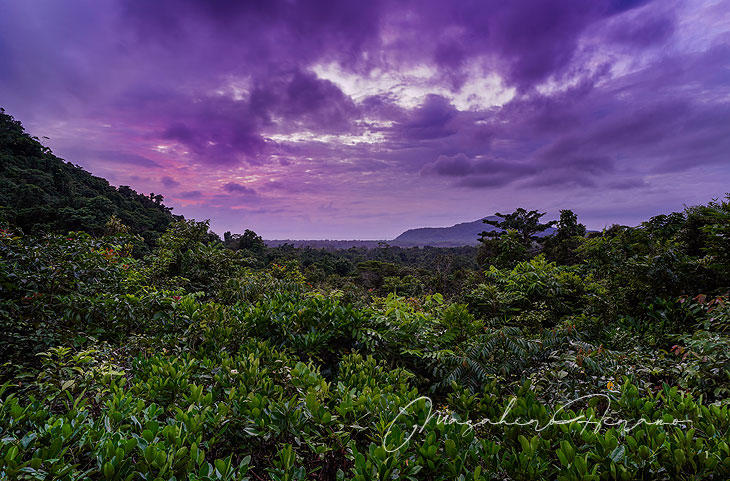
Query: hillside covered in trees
{"points": [[41, 193], [570, 356]]}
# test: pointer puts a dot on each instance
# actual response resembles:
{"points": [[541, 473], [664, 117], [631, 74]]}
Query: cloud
{"points": [[429, 121], [627, 184], [476, 173], [238, 189], [191, 194], [421, 104], [458, 165], [647, 30], [169, 182]]}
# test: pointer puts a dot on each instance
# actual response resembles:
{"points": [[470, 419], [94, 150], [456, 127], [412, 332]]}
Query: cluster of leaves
{"points": [[536, 286]]}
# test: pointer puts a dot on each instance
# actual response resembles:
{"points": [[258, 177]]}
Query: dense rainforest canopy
{"points": [[208, 359]]}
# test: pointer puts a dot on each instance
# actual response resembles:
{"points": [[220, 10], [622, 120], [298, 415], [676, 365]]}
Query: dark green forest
{"points": [[138, 345], [41, 193]]}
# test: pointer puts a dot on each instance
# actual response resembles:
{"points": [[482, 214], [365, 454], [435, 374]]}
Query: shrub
{"points": [[536, 285]]}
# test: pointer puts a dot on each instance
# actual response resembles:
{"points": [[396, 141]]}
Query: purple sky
{"points": [[360, 119]]}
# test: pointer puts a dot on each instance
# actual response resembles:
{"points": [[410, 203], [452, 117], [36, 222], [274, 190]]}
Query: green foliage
{"points": [[561, 247], [703, 363], [536, 293], [198, 361], [514, 239], [249, 241], [407, 285], [37, 278], [526, 223], [714, 222], [503, 252], [313, 327], [191, 258]]}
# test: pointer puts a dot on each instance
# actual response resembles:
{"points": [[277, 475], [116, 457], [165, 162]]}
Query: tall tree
{"points": [[561, 246], [526, 223], [251, 241], [511, 242]]}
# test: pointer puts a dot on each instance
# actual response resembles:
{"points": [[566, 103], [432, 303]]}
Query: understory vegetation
{"points": [[577, 356]]}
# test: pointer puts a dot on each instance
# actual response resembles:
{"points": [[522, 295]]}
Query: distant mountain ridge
{"points": [[458, 235], [462, 234]]}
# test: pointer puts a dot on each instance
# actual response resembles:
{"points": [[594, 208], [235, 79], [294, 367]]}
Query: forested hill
{"points": [[41, 192]]}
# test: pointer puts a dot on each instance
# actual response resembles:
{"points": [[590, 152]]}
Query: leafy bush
{"points": [[536, 286]]}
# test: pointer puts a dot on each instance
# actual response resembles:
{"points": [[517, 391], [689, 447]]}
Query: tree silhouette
{"points": [[526, 223]]}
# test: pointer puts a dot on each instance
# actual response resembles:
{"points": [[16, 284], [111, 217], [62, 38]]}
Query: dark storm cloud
{"points": [[478, 173], [429, 121], [532, 39], [457, 166], [302, 98], [222, 130], [642, 121], [260, 34]]}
